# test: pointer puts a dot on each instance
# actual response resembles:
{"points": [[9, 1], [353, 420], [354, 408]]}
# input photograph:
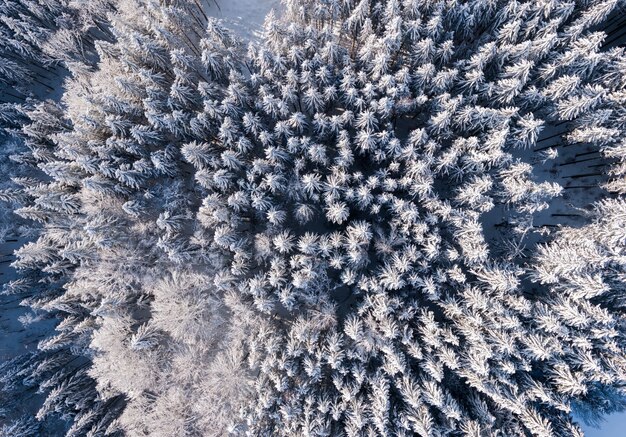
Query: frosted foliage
{"points": [[349, 227]]}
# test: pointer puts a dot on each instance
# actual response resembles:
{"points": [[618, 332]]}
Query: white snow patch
{"points": [[244, 17]]}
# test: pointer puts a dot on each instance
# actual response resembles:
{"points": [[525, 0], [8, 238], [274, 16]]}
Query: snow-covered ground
{"points": [[245, 17], [613, 426]]}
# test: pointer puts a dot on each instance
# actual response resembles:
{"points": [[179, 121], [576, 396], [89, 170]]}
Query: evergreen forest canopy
{"points": [[383, 218]]}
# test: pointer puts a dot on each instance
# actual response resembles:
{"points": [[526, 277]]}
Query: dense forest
{"points": [[377, 218]]}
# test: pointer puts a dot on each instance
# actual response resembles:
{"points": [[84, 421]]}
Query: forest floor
{"points": [[244, 17], [612, 426], [16, 339]]}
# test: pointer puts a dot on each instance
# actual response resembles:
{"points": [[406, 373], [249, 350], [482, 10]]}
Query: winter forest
{"points": [[356, 218]]}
